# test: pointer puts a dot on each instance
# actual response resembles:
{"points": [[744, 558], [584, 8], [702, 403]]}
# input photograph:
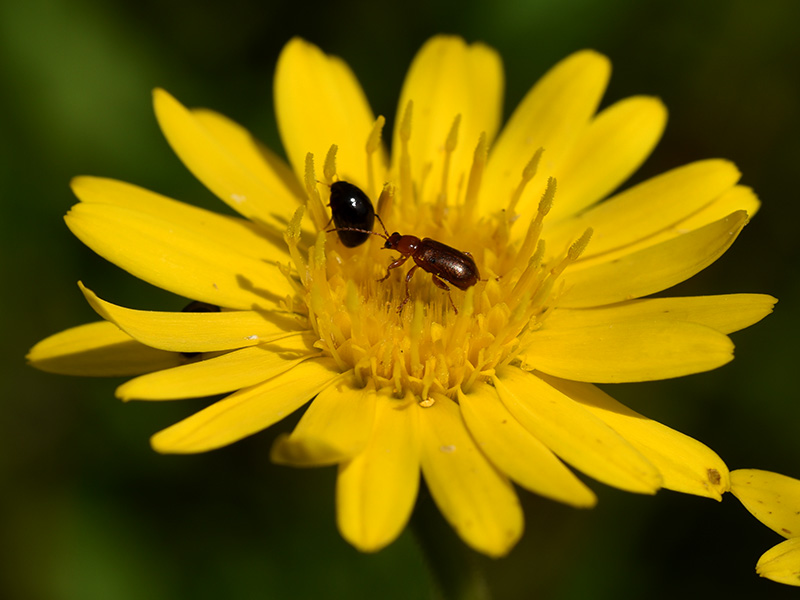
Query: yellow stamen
{"points": [[292, 238], [475, 178], [386, 202], [318, 265], [373, 145], [535, 228], [579, 247], [528, 173], [530, 276], [329, 168], [449, 147], [406, 186], [575, 250], [352, 304], [415, 334], [315, 206]]}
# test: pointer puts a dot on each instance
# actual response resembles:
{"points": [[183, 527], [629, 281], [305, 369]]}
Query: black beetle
{"points": [[353, 213]]}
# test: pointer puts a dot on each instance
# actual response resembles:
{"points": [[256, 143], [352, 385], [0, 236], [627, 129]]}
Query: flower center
{"points": [[428, 345]]}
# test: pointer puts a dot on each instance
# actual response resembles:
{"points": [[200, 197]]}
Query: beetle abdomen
{"points": [[447, 263]]}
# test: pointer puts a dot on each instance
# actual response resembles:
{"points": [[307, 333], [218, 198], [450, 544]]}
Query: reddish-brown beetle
{"points": [[443, 262]]}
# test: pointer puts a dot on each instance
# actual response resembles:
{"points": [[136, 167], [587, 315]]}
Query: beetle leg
{"points": [[408, 294], [443, 286], [398, 263]]}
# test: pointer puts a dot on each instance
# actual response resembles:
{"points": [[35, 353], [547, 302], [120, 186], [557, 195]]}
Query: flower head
{"points": [[477, 386], [773, 499]]}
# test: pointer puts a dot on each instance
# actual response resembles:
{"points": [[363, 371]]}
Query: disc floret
{"points": [[427, 347]]}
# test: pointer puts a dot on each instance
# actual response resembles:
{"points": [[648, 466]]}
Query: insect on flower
{"points": [[352, 213], [478, 405], [443, 262]]}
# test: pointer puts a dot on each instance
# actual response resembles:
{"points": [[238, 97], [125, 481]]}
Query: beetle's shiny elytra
{"points": [[353, 213]]}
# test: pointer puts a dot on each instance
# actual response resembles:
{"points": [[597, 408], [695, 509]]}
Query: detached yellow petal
{"points": [[235, 233], [228, 161], [318, 103], [336, 427], [195, 332], [553, 116], [221, 374], [685, 464], [772, 498], [516, 452], [652, 269], [781, 563], [247, 411], [474, 497], [376, 490], [177, 259], [449, 78], [98, 349], [627, 351], [612, 147], [650, 207], [726, 313], [574, 434]]}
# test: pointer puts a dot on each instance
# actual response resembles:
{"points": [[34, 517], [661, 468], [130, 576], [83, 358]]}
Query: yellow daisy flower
{"points": [[476, 387], [773, 499]]}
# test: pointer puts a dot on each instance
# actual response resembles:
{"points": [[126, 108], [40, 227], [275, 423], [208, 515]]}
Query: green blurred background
{"points": [[88, 511]]}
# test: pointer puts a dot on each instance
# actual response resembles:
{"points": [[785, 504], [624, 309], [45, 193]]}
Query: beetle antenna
{"points": [[377, 216], [359, 230]]}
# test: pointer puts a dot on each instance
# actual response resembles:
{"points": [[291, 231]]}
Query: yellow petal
{"points": [[247, 411], [238, 234], [318, 102], [615, 144], [477, 501], [781, 563], [98, 349], [574, 434], [376, 490], [685, 464], [516, 452], [222, 374], [177, 259], [772, 498], [627, 351], [737, 198], [553, 116], [449, 78], [652, 269], [336, 427], [726, 313], [257, 158], [650, 207], [226, 159], [195, 332]]}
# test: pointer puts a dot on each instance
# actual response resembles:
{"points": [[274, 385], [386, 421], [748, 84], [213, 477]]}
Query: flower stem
{"points": [[457, 570]]}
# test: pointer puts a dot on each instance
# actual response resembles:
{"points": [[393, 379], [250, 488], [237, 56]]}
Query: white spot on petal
{"points": [[238, 198], [251, 337], [448, 449]]}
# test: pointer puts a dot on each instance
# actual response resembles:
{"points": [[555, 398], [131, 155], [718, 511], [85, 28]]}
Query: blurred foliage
{"points": [[89, 511]]}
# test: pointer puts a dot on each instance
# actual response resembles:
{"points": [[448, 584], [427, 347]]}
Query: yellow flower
{"points": [[773, 499], [493, 389]]}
